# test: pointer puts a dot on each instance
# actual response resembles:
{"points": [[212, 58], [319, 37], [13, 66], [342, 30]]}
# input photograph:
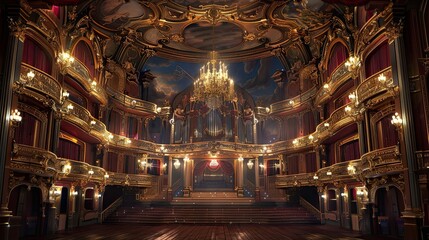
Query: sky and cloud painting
{"points": [[172, 77]]}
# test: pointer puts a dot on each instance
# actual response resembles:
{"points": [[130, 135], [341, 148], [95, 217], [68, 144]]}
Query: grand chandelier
{"points": [[214, 86]]}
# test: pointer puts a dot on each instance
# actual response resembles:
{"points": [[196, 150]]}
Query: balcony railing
{"points": [[372, 86], [289, 104], [133, 103]]}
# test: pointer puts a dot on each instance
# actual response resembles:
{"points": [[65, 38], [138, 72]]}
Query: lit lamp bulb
{"points": [[326, 124], [30, 75], [15, 116], [91, 172], [396, 120], [250, 164], [240, 158], [329, 173], [352, 97], [315, 177], [347, 109], [382, 78]]}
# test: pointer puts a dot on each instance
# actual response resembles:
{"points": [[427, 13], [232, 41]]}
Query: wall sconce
{"points": [[65, 60], [66, 168], [352, 97], [15, 116], [92, 123], [90, 173], [30, 75], [329, 173], [344, 195], [74, 193], [291, 102], [351, 169], [353, 63], [267, 109], [240, 158], [315, 177], [186, 158], [311, 137], [295, 142], [326, 124], [64, 95], [176, 164], [250, 164], [55, 192], [396, 121], [326, 87], [323, 196], [110, 136], [158, 110], [261, 165], [381, 78], [106, 176], [348, 109]]}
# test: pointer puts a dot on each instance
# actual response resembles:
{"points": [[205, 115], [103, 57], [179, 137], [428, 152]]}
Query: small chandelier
{"points": [[214, 85], [214, 163]]}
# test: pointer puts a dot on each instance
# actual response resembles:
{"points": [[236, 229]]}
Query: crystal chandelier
{"points": [[214, 85]]}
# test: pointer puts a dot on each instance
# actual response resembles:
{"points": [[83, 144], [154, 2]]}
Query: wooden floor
{"points": [[215, 232]]}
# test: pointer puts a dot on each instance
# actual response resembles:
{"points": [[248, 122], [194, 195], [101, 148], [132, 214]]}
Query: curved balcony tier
{"points": [[133, 104], [338, 77]]}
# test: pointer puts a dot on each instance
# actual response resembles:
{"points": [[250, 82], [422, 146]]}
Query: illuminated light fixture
{"points": [[176, 164], [162, 148], [15, 116], [250, 164], [326, 124], [133, 103], [351, 169], [127, 141], [360, 192], [323, 196], [352, 63], [310, 137], [352, 96], [172, 121], [186, 158], [315, 177], [255, 121], [70, 107], [92, 122], [65, 94], [267, 109], [67, 168], [213, 86], [329, 173], [93, 83], [74, 193], [396, 120], [106, 176], [343, 194], [214, 163], [240, 158], [291, 102], [382, 78], [91, 172], [326, 86], [261, 165], [110, 136], [65, 60], [295, 142], [30, 75], [158, 109], [348, 109]]}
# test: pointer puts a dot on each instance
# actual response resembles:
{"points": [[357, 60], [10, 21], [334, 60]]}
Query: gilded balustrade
{"points": [[80, 73], [338, 77], [35, 160], [289, 104], [41, 82], [423, 159], [295, 180], [130, 179], [372, 86], [133, 103]]}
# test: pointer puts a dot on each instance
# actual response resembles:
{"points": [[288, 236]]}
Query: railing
{"points": [[312, 209], [110, 209], [130, 179], [338, 77], [133, 103], [289, 104], [41, 82], [372, 86]]}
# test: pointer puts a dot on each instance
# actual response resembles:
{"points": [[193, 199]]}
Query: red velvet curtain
{"points": [[56, 10], [112, 162], [292, 89], [68, 149], [132, 128], [34, 55], [338, 55], [308, 123], [387, 134], [25, 133], [350, 151], [292, 128], [115, 122], [364, 15], [84, 54], [377, 60], [310, 162], [130, 164], [293, 165]]}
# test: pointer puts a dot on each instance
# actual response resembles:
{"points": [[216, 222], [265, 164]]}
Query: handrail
{"points": [[110, 209], [316, 212]]}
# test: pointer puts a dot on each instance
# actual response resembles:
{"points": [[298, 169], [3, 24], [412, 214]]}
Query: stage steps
{"points": [[220, 214]]}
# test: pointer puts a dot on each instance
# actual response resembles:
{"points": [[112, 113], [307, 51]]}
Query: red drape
{"points": [[350, 151], [26, 131], [112, 162], [292, 128], [338, 55], [84, 54], [130, 164], [68, 149], [35, 55], [387, 134], [308, 123], [310, 162], [132, 128], [377, 60], [56, 10], [115, 122], [293, 165]]}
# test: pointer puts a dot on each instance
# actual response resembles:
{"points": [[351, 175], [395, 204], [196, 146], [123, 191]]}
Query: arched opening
{"points": [[390, 204], [26, 206], [209, 176], [62, 221]]}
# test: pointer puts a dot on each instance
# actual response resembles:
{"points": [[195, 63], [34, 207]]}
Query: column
{"points": [[321, 193], [13, 38], [240, 191], [257, 184], [412, 215], [170, 179], [362, 137], [186, 177]]}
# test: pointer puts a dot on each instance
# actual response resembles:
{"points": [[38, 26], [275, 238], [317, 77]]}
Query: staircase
{"points": [[139, 213]]}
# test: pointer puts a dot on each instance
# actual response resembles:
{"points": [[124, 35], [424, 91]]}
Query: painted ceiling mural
{"points": [[172, 77]]}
